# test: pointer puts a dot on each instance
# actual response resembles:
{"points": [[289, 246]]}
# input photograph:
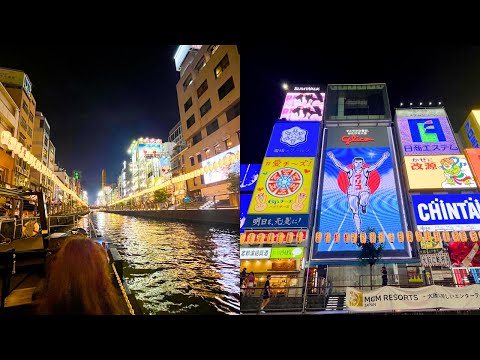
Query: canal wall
{"points": [[224, 216]]}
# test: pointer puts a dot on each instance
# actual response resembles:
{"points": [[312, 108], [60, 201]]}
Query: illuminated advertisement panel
{"points": [[298, 139], [304, 103], [473, 158], [282, 195], [244, 204], [439, 172], [447, 212], [425, 132], [359, 192], [222, 172], [249, 176], [470, 129]]}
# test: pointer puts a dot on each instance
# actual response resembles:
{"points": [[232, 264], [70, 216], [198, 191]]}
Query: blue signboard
{"points": [[294, 139], [248, 176], [447, 212], [280, 221], [244, 204]]}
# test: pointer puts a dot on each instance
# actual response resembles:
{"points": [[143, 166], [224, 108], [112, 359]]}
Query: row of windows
{"points": [[25, 106], [217, 150], [29, 131], [23, 123]]}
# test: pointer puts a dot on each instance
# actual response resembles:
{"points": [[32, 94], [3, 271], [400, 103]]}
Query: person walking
{"points": [[250, 284], [384, 276], [267, 294]]}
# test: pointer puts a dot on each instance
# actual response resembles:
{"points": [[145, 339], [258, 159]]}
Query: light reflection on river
{"points": [[176, 267]]}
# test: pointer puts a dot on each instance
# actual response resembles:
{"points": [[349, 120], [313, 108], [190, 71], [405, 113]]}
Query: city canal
{"points": [[177, 267]]}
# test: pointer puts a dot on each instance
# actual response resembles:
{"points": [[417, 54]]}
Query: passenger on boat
{"points": [[79, 281]]}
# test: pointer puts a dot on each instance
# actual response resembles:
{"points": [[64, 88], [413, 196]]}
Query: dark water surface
{"points": [[174, 267]]}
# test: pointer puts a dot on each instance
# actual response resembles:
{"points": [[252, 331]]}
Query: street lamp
{"points": [[285, 86]]}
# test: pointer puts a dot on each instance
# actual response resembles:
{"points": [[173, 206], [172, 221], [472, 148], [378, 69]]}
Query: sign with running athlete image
{"points": [[283, 188], [358, 192], [425, 132]]}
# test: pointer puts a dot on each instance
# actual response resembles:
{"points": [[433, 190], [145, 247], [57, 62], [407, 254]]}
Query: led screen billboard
{"points": [[244, 204], [249, 176], [222, 172], [304, 103], [425, 132], [283, 188], [359, 191], [470, 130], [447, 212], [298, 139], [439, 172], [473, 158]]}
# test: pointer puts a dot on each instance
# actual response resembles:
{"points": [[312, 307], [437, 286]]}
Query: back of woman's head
{"points": [[79, 281]]}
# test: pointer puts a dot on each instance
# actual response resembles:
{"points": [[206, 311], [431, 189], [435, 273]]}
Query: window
{"points": [[217, 149], [25, 106], [202, 89], [197, 138], [228, 144], [29, 131], [194, 181], [200, 64], [199, 158], [233, 112], [30, 115], [205, 107], [188, 104], [212, 49], [226, 88], [190, 121], [23, 123], [187, 82], [202, 179], [212, 127], [222, 65], [192, 161]]}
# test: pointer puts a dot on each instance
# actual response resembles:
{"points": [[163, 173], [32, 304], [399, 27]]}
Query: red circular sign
{"points": [[284, 182]]}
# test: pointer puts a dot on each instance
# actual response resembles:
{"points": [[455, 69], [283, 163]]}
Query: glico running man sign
{"points": [[425, 132], [359, 191], [442, 212]]}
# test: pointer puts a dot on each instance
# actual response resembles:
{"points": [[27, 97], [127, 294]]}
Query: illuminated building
{"points": [[41, 150], [150, 162], [9, 113], [178, 162], [19, 87], [209, 105], [51, 166]]}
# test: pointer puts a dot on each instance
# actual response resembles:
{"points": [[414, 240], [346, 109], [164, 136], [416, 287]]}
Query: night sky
{"points": [[97, 99], [450, 74]]}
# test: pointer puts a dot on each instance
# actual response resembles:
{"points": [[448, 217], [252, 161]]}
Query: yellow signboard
{"points": [[470, 130], [439, 172], [283, 186]]}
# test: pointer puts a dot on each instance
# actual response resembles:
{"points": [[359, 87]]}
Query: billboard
{"points": [[222, 172], [359, 191], [249, 176], [425, 132], [304, 103], [470, 130], [298, 139], [244, 204], [439, 172], [473, 158], [447, 212], [283, 188]]}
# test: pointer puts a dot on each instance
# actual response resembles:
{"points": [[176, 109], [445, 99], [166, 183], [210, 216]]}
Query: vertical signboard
{"points": [[298, 139], [425, 132], [282, 195], [438, 172], [249, 176], [473, 158], [303, 103], [470, 130], [359, 191]]}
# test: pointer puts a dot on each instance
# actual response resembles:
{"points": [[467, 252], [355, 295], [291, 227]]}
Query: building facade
{"points": [[41, 142], [178, 163], [209, 105], [19, 87], [9, 113]]}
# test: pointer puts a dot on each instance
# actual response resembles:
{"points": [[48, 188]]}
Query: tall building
{"points": [[209, 104], [19, 87], [51, 166], [9, 113], [178, 162], [40, 148]]}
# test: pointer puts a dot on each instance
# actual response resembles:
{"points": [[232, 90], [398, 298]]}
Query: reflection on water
{"points": [[177, 267]]}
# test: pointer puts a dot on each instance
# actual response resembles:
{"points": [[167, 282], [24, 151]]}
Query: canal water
{"points": [[175, 267]]}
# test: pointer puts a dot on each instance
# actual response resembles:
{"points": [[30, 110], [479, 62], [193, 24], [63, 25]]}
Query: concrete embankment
{"points": [[224, 216]]}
